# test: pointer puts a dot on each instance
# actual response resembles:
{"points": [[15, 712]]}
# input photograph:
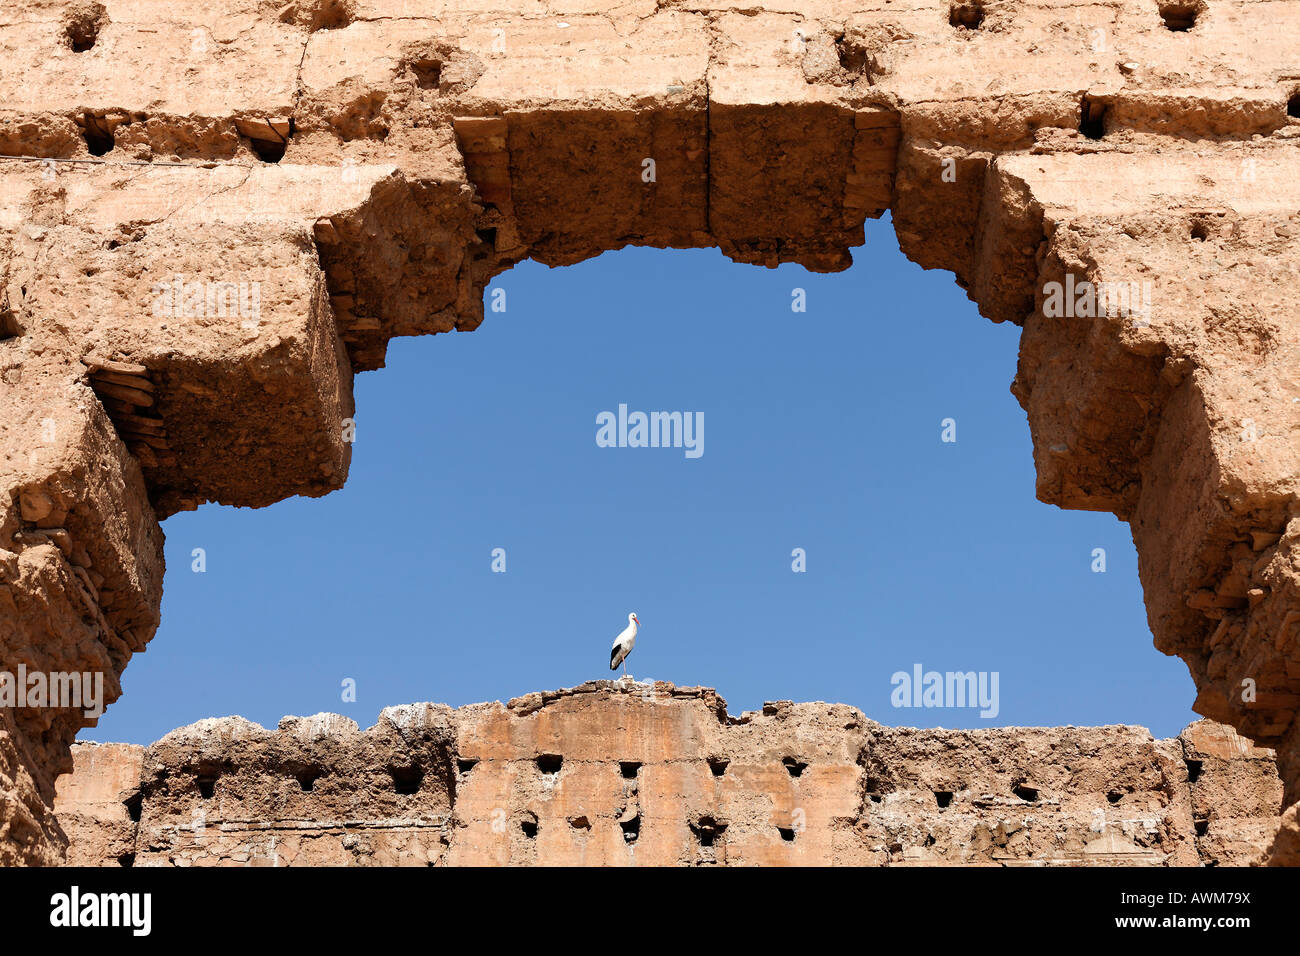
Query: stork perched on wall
{"points": [[623, 645]]}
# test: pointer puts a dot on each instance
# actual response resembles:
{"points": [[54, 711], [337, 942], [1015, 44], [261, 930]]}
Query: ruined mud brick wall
{"points": [[613, 773], [371, 164]]}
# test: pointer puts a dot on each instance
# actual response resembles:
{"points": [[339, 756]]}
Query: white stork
{"points": [[623, 645]]}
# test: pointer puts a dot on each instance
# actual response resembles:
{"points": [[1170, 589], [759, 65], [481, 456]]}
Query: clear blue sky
{"points": [[822, 432]]}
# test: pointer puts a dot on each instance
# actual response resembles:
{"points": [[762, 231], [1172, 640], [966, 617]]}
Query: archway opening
{"points": [[861, 505]]}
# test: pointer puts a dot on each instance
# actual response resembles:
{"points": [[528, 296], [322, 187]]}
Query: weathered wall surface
{"points": [[619, 773], [99, 803], [368, 165]]}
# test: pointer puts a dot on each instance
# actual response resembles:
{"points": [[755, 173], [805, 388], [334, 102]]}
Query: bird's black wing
{"points": [[613, 656]]}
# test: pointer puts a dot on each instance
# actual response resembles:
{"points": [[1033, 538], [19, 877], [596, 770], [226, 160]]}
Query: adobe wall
{"points": [[619, 773], [370, 164]]}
